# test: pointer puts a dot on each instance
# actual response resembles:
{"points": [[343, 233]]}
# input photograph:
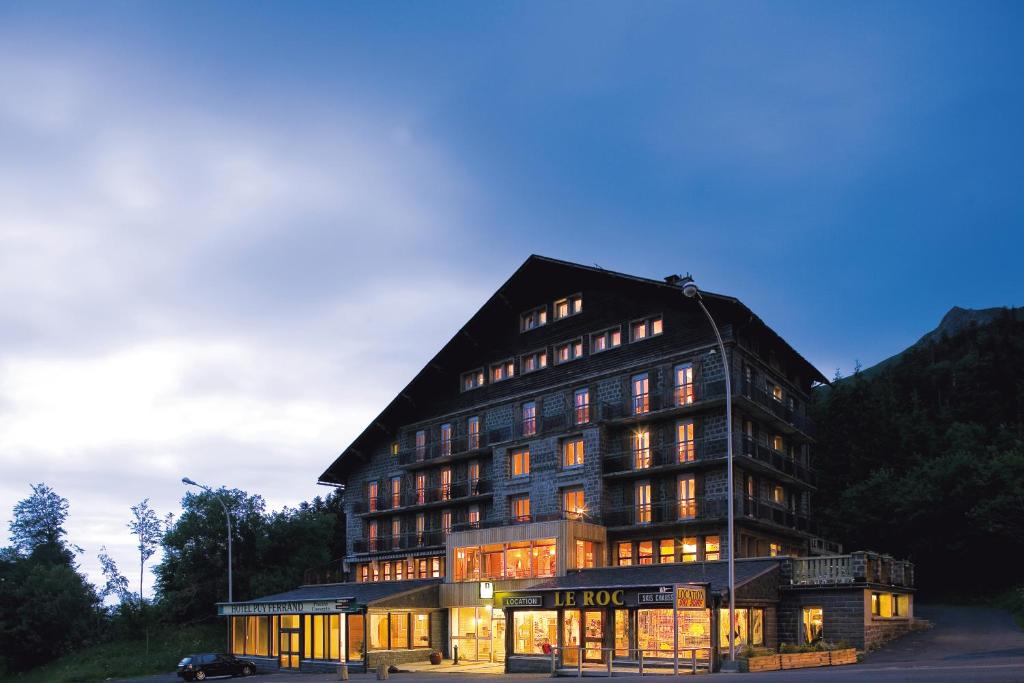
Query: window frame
{"points": [[571, 345], [606, 335], [524, 462], [579, 454], [543, 309], [572, 301], [578, 408], [538, 355], [476, 374], [648, 323], [508, 369]]}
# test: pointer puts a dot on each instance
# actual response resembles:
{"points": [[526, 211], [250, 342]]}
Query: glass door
{"points": [[497, 636], [570, 637], [593, 636], [288, 642]]}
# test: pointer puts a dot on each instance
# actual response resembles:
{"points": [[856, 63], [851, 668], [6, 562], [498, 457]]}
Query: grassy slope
{"points": [[126, 658]]}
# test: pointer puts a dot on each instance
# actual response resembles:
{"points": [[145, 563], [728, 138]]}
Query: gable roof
{"points": [[496, 309]]}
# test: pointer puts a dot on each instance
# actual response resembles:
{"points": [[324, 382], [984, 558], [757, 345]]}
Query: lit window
{"points": [[396, 492], [572, 503], [474, 516], [606, 339], [666, 550], [687, 497], [570, 350], [625, 553], [394, 448], [531, 362], [364, 573], [372, 493], [774, 549], [639, 394], [581, 406], [396, 533], [446, 483], [640, 444], [778, 495], [568, 306], [813, 622], [529, 418], [472, 379], [421, 488], [587, 554], [686, 449], [473, 433], [688, 550], [777, 392], [446, 521], [421, 528], [519, 462], [712, 548], [520, 508], [533, 319], [371, 535], [683, 390], [642, 329], [572, 452], [778, 444], [473, 476], [642, 499], [645, 552], [503, 370], [421, 445], [446, 439]]}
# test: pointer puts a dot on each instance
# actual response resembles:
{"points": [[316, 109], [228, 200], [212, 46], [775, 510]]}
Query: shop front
{"points": [[315, 628], [662, 626]]}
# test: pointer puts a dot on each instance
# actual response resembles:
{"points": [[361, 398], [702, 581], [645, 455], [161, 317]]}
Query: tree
{"points": [[116, 583], [147, 527], [39, 520]]}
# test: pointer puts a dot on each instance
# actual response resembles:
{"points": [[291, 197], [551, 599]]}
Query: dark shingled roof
{"points": [[714, 573], [360, 593]]}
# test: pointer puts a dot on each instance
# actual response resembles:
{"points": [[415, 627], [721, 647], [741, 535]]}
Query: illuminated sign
{"points": [[691, 597], [293, 607], [589, 598], [522, 601], [486, 590]]}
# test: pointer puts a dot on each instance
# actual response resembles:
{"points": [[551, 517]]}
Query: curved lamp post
{"points": [[220, 499], [691, 291]]}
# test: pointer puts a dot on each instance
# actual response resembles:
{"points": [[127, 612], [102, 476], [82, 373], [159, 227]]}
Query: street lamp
{"points": [[220, 499], [691, 291]]}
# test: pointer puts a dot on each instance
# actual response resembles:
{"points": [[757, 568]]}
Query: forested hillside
{"points": [[924, 458]]}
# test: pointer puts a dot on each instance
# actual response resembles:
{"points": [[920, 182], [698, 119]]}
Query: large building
{"points": [[556, 476]]}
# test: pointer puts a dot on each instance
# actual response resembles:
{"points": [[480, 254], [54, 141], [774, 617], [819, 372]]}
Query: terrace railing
{"points": [[649, 403], [857, 567]]}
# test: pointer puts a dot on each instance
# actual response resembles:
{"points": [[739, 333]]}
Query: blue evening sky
{"points": [[229, 232]]}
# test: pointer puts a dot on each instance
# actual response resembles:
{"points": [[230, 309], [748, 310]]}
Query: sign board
{"points": [[522, 601], [333, 606], [486, 590], [691, 597], [662, 597]]}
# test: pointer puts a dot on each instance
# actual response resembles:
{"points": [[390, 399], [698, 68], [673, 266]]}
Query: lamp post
{"points": [[691, 291], [220, 499]]}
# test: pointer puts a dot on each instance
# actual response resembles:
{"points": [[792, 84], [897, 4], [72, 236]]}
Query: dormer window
{"points": [[533, 319], [472, 379], [642, 329], [503, 370], [570, 305], [538, 360], [606, 339], [570, 350]]}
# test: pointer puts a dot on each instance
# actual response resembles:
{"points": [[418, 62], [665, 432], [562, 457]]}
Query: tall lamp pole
{"points": [[220, 499], [691, 291]]}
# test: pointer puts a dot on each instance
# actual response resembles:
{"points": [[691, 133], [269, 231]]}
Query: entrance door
{"points": [[288, 652], [593, 636], [497, 636]]}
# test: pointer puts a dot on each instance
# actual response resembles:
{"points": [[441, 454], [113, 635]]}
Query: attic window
{"points": [[568, 351], [642, 329], [533, 319], [570, 305], [472, 379], [536, 360], [503, 370]]}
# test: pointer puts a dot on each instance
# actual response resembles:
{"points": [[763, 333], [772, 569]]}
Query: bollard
{"points": [[343, 672], [382, 670], [641, 662], [554, 671], [579, 662], [455, 658]]}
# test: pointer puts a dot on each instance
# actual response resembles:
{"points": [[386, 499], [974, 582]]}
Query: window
{"points": [[420, 630], [688, 549], [520, 506], [394, 449], [749, 627], [472, 379], [372, 493], [421, 488], [587, 554], [570, 305], [640, 445], [356, 643], [813, 620], [251, 636], [517, 559], [519, 462], [572, 503], [537, 360], [572, 452], [774, 549], [323, 636], [645, 552], [421, 445], [567, 351], [371, 535], [605, 339], [472, 433], [642, 500], [639, 386], [778, 495], [379, 632], [581, 406], [396, 532], [396, 492], [446, 521], [446, 439], [683, 390], [421, 528], [686, 450], [778, 444], [625, 553], [687, 497], [446, 483], [529, 423], [533, 319], [473, 477], [666, 550], [473, 516], [503, 370], [712, 548], [534, 630], [642, 329], [364, 573], [777, 392]]}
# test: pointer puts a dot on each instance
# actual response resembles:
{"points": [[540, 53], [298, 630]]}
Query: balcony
{"points": [[541, 425], [430, 538], [676, 399], [758, 394], [433, 494], [464, 446], [665, 512], [778, 515], [855, 568], [778, 460]]}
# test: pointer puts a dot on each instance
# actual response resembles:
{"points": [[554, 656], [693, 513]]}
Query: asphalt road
{"points": [[966, 644]]}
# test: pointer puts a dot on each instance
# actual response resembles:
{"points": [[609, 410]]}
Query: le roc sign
{"points": [[590, 598]]}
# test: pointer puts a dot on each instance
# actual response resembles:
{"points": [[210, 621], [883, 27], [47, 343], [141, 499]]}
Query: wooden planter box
{"points": [[801, 660]]}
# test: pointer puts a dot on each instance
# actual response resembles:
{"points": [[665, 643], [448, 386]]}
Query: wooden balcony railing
{"points": [[855, 568], [410, 496]]}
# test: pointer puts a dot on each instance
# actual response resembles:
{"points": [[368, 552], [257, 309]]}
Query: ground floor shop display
{"points": [[477, 633]]}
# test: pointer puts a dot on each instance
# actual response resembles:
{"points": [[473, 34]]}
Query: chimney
{"points": [[678, 280]]}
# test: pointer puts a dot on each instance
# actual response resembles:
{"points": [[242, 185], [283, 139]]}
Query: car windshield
{"points": [[185, 661]]}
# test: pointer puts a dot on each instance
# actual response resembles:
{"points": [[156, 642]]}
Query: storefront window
{"points": [[517, 562], [399, 630], [814, 623], [250, 636], [654, 632], [757, 627], [355, 637], [694, 630], [238, 635], [534, 630], [740, 632], [621, 633], [378, 631], [570, 637], [421, 630]]}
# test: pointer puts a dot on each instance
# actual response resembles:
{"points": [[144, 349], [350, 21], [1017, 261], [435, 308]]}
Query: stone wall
{"points": [[842, 615]]}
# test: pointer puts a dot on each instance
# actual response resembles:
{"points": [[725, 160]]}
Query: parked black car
{"points": [[202, 666]]}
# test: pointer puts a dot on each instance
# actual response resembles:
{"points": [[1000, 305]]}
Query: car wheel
{"points": [[200, 675], [247, 671]]}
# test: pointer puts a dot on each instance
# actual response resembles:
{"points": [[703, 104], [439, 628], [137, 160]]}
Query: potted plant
{"points": [[435, 657]]}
